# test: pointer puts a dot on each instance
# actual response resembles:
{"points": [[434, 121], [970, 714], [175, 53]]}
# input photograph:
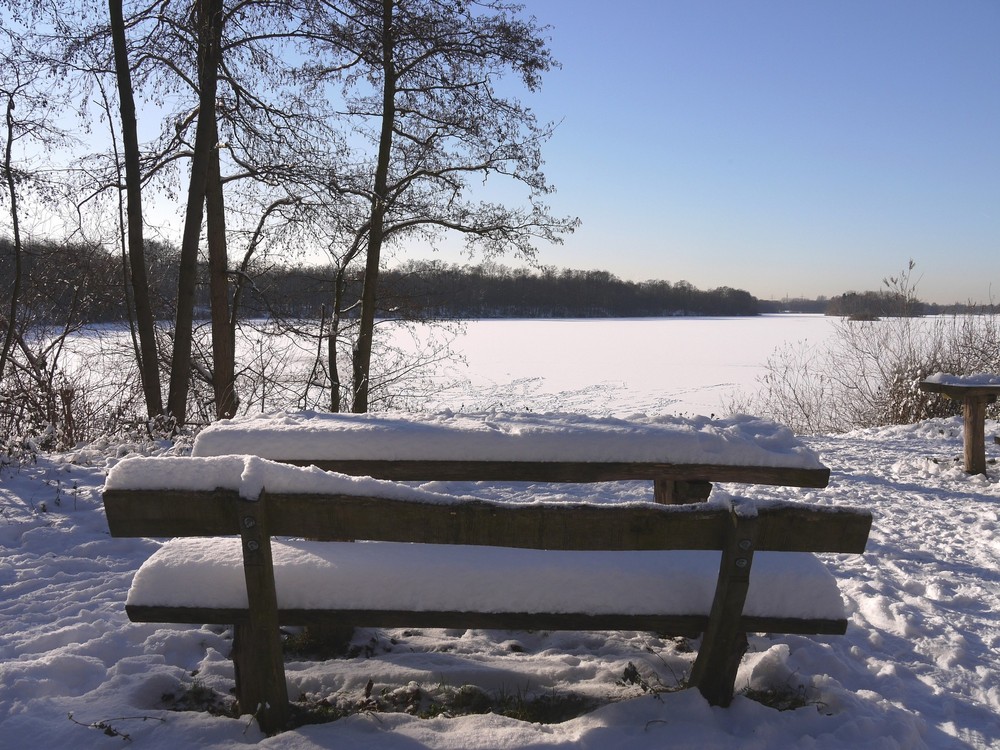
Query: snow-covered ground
{"points": [[918, 668]]}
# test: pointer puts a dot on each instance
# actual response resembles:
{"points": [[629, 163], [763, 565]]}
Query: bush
{"points": [[868, 373]]}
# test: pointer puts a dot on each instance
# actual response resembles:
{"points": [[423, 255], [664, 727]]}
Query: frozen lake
{"points": [[665, 365], [595, 366]]}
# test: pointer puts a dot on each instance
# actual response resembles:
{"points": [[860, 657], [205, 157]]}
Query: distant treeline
{"points": [[452, 291], [85, 283], [869, 306]]}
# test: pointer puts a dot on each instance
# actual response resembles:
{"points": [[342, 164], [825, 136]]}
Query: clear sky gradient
{"points": [[790, 148]]}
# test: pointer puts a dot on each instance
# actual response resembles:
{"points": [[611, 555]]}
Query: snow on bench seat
{"points": [[208, 572], [507, 436]]}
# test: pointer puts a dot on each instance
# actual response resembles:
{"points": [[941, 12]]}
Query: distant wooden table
{"points": [[974, 397]]}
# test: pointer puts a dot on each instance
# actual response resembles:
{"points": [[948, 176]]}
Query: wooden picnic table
{"points": [[681, 456], [975, 393]]}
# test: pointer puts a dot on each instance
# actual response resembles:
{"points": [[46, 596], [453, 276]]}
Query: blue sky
{"points": [[806, 147]]}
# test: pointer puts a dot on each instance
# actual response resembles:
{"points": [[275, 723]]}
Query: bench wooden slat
{"points": [[686, 625], [556, 526], [960, 390], [169, 513], [570, 471]]}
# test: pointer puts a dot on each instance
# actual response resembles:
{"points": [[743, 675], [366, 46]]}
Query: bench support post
{"points": [[260, 670], [680, 491], [724, 643]]}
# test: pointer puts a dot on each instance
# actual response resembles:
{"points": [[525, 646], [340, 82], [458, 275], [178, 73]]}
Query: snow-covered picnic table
{"points": [[975, 392], [682, 456]]}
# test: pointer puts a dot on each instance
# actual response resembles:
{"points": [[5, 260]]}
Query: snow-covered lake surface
{"points": [[683, 366], [918, 668], [657, 365]]}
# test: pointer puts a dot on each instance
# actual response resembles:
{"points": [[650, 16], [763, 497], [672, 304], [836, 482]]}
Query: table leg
{"points": [[679, 491], [974, 417]]}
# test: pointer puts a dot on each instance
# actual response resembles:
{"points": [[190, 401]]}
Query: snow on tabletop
{"points": [[199, 572], [249, 475], [507, 436], [982, 378]]}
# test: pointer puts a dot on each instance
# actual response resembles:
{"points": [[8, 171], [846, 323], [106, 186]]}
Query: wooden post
{"points": [[260, 670], [679, 491], [974, 428], [724, 643]]}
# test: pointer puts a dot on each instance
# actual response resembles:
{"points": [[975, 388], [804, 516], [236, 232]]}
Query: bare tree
{"points": [[147, 355], [420, 80], [10, 93], [28, 127], [393, 129], [248, 110]]}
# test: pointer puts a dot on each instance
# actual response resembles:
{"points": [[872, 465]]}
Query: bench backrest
{"points": [[780, 526], [738, 529]]}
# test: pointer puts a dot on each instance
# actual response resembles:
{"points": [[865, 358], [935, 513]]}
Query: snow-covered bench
{"points": [[681, 455], [434, 560]]}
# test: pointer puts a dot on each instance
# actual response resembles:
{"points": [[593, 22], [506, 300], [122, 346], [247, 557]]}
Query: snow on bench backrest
{"points": [[249, 475]]}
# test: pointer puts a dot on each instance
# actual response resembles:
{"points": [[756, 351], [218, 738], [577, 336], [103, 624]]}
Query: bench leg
{"points": [[257, 656], [714, 672], [724, 642], [261, 689]]}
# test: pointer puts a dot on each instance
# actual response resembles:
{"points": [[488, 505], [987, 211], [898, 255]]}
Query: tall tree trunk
{"points": [[223, 343], [148, 361], [333, 337], [11, 322], [209, 19], [369, 296]]}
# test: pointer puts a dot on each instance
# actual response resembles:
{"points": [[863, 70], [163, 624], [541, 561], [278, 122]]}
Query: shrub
{"points": [[868, 373]]}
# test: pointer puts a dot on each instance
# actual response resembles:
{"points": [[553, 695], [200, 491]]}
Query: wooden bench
{"points": [[976, 392], [681, 456], [553, 557]]}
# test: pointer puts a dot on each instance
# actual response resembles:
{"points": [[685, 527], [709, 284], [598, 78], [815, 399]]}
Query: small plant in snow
{"points": [[783, 698], [199, 697], [107, 728]]}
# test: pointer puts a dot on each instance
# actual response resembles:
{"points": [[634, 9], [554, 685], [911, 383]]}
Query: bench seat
{"points": [[208, 573]]}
